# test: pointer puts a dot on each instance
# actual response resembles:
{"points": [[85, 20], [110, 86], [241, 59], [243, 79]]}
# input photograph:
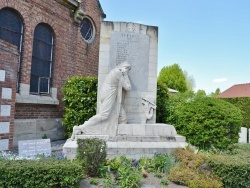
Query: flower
{"points": [[144, 175]]}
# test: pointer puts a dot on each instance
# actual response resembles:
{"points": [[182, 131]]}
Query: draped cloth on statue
{"points": [[111, 104]]}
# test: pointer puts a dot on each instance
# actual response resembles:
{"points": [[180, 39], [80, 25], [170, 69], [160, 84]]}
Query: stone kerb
{"points": [[8, 77], [137, 44]]}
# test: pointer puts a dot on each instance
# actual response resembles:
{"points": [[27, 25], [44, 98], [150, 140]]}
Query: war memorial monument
{"points": [[127, 86]]}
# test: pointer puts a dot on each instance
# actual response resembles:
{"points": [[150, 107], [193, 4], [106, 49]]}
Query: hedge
{"points": [[243, 104], [79, 97], [233, 169], [40, 173]]}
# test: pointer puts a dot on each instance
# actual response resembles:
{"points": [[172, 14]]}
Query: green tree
{"points": [[174, 77], [201, 93], [162, 102], [217, 92], [190, 81]]}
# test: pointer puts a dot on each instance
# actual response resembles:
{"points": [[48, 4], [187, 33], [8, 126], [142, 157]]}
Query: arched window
{"points": [[11, 30], [42, 57]]}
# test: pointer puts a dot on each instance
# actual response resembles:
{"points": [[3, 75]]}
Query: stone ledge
{"points": [[36, 99]]}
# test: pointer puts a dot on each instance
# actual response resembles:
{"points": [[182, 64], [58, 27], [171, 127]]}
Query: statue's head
{"points": [[124, 66]]}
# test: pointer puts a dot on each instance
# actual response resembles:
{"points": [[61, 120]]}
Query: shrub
{"points": [[207, 122], [162, 100], [233, 169], [189, 173], [79, 97], [92, 154], [39, 173], [128, 176], [162, 163]]}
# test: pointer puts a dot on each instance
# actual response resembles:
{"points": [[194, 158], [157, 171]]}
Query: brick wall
{"points": [[8, 73], [72, 55]]}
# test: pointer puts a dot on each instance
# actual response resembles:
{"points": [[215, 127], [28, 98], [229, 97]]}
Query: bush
{"points": [[174, 104], [39, 173], [92, 154], [243, 104], [233, 169], [162, 100], [207, 122], [79, 97], [189, 171]]}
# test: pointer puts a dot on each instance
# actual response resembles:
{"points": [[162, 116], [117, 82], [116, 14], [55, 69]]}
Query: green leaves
{"points": [[205, 121], [233, 168], [79, 97], [175, 78], [162, 99], [40, 174], [92, 154]]}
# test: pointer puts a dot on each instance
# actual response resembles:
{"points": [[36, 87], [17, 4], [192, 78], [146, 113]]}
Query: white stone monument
{"points": [[137, 134]]}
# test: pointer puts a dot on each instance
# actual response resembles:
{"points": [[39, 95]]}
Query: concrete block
{"points": [[139, 130], [4, 127], [4, 144]]}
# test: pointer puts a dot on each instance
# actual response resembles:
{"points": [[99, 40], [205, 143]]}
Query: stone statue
{"points": [[111, 104], [148, 107]]}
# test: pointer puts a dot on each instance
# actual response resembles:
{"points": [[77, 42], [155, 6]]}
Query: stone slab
{"points": [[32, 148], [69, 149], [2, 75], [6, 93], [134, 48], [5, 110], [155, 129], [243, 135], [4, 127], [4, 144]]}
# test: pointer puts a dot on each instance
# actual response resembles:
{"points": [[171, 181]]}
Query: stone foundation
{"points": [[145, 141], [28, 129]]}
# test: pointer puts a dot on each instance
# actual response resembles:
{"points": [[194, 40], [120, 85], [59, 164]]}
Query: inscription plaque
{"points": [[4, 144], [4, 127], [134, 48], [2, 75], [5, 110], [6, 93], [32, 148]]}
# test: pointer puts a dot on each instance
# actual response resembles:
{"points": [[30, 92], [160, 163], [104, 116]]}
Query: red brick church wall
{"points": [[8, 73], [72, 56]]}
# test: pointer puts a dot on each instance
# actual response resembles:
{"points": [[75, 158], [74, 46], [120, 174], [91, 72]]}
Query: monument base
{"points": [[134, 141]]}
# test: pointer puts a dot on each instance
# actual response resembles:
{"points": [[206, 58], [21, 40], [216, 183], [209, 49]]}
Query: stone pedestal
{"points": [[135, 141]]}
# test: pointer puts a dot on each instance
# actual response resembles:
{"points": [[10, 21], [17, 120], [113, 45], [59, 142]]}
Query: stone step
{"points": [[129, 138], [137, 150]]}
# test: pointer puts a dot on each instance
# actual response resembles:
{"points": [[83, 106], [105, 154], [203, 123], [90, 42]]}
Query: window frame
{"points": [[51, 60], [90, 21]]}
